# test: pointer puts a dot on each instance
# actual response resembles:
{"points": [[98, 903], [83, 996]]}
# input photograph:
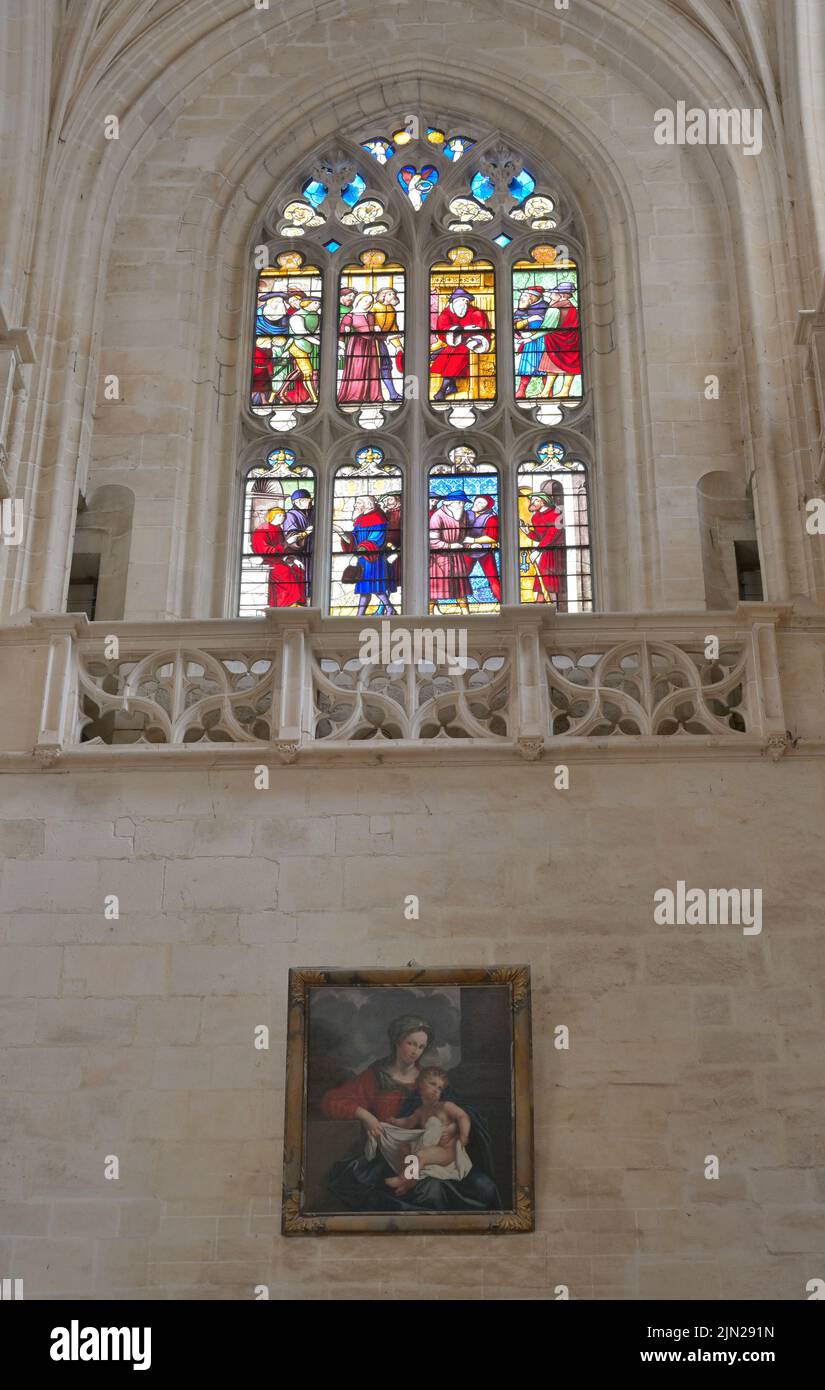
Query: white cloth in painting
{"points": [[395, 1142]]}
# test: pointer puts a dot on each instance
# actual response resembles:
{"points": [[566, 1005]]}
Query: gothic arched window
{"points": [[412, 283]]}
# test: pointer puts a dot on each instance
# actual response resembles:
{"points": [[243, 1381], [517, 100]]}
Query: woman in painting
{"points": [[387, 1090], [361, 377]]}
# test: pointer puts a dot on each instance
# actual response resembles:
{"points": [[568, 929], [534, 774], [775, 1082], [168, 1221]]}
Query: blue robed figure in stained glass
{"points": [[368, 541]]}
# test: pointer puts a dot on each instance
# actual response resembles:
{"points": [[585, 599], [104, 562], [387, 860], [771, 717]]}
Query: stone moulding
{"points": [[292, 687]]}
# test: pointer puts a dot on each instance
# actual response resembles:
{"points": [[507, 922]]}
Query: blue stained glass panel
{"points": [[334, 245], [381, 150], [502, 239], [522, 186], [457, 146], [352, 191], [482, 186], [315, 192]]}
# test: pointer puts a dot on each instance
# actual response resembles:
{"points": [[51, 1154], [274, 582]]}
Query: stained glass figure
{"points": [[536, 211], [456, 146], [462, 336], [287, 340], [546, 330], [365, 216], [554, 531], [417, 183], [278, 530], [468, 211], [371, 335], [381, 150], [464, 566], [366, 537], [298, 215]]}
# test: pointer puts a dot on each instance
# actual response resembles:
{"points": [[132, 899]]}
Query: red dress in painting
{"points": [[366, 1092], [287, 577]]}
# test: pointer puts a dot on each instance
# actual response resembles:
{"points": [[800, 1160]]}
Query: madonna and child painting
{"points": [[408, 1101]]}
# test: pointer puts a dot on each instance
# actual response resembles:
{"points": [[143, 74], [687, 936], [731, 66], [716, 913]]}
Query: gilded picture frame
{"points": [[408, 1102]]}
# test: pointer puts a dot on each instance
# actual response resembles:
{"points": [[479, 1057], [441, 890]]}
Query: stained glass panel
{"points": [[315, 192], [287, 339], [278, 530], [417, 183], [456, 146], [462, 336], [352, 191], [464, 569], [371, 333], [546, 329], [554, 531], [366, 537], [380, 149]]}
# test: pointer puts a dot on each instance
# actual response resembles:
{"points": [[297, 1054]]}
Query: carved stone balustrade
{"points": [[297, 686]]}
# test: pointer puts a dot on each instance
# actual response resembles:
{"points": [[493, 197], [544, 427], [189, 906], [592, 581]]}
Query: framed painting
{"points": [[408, 1101]]}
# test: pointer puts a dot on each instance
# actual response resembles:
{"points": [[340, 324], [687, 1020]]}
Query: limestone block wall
{"points": [[135, 1037]]}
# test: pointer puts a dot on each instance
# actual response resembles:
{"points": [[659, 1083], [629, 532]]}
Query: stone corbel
{"points": [[777, 746]]}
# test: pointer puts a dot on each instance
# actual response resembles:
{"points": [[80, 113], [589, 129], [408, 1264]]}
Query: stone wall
{"points": [[135, 1037]]}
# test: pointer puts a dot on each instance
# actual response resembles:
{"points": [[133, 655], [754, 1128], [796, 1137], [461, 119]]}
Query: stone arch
{"points": [[729, 538], [649, 51], [102, 540]]}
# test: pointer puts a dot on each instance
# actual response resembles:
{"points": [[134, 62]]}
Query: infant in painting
{"points": [[446, 1132]]}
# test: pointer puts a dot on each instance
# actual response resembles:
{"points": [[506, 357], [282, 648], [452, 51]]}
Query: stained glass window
{"points": [[366, 537], [462, 335], [371, 337], [546, 331], [464, 569], [278, 531], [287, 340], [410, 181], [554, 531]]}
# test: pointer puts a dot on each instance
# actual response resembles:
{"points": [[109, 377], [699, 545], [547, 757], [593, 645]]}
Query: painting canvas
{"points": [[408, 1101]]}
